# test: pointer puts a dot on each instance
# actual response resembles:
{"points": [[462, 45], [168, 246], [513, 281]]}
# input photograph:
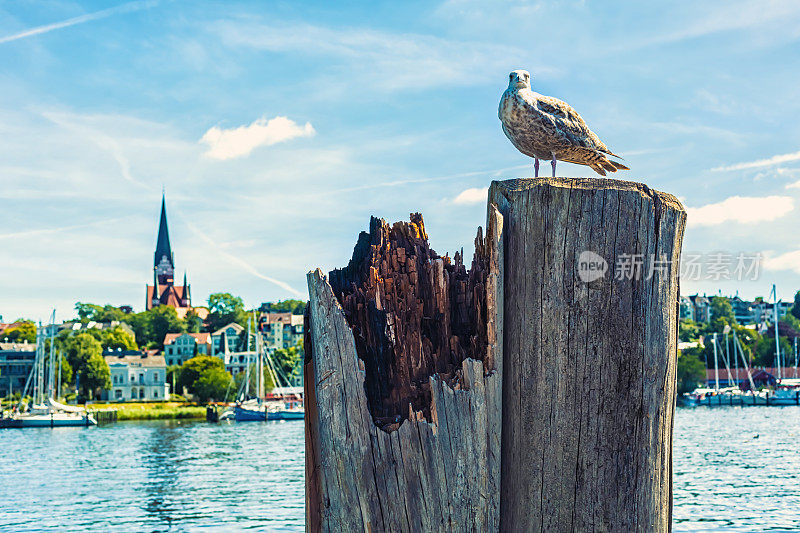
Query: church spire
{"points": [[163, 248], [163, 259]]}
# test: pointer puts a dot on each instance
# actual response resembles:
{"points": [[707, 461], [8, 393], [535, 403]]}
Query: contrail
{"points": [[103, 13], [423, 180], [234, 259], [45, 231]]}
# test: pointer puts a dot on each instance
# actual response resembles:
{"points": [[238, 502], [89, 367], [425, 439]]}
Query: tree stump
{"points": [[403, 377], [590, 355]]}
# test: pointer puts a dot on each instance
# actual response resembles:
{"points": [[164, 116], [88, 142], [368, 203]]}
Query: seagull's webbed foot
{"points": [[535, 167], [553, 162]]}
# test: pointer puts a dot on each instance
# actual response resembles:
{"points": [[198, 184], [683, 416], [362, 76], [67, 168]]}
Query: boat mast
{"points": [[795, 357], [777, 342], [52, 363], [259, 360], [738, 344], [247, 371], [38, 392], [716, 370]]}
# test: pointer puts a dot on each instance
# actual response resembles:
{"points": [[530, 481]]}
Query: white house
{"points": [[136, 376], [231, 334], [180, 347]]}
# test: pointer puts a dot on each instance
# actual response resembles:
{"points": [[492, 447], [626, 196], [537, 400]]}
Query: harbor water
{"points": [[736, 469], [153, 476]]}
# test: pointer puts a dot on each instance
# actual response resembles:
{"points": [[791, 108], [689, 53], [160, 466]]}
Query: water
{"points": [[154, 476], [192, 476], [726, 479]]}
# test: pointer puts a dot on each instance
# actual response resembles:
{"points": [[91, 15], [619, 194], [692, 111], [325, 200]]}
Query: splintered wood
{"points": [[413, 315], [403, 379]]}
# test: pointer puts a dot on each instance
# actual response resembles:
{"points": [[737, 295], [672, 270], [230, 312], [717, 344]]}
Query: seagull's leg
{"points": [[535, 167], [553, 162]]}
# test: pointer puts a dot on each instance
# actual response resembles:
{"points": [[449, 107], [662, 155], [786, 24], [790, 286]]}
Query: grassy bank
{"points": [[153, 410]]}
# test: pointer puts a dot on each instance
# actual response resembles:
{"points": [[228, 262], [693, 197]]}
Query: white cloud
{"points": [[88, 17], [774, 160], [471, 196], [784, 261], [742, 209], [239, 142]]}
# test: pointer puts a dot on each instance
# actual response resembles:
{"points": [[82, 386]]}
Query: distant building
{"points": [[163, 291], [742, 310], [280, 330], [702, 308], [16, 363], [227, 338], [686, 308], [236, 362], [136, 376], [764, 312], [180, 347]]}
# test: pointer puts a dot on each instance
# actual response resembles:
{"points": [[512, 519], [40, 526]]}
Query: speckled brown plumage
{"points": [[547, 128]]}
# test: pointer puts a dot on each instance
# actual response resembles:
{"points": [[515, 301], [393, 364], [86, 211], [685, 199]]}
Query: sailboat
{"points": [[44, 410], [282, 403]]}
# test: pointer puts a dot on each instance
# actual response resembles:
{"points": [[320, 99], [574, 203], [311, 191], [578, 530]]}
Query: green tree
{"points": [[116, 337], [296, 307], [192, 322], [721, 312], [691, 371], [796, 307], [225, 308], [66, 374], [213, 383], [23, 330], [87, 311], [95, 375], [150, 327], [193, 368], [764, 352], [79, 348], [689, 330], [288, 362], [97, 313]]}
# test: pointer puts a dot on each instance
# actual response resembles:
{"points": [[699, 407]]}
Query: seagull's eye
{"points": [[510, 77]]}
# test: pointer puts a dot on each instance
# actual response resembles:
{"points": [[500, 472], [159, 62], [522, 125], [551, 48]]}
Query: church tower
{"points": [[164, 261], [163, 291]]}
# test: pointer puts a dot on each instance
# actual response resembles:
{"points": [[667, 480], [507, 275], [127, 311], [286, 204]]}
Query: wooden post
{"points": [[403, 378], [560, 342], [590, 355]]}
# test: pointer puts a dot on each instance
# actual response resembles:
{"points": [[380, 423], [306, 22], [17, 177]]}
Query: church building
{"points": [[163, 291]]}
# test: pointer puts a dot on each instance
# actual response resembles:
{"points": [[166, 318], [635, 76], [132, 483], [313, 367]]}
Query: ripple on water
{"points": [[726, 480], [154, 476]]}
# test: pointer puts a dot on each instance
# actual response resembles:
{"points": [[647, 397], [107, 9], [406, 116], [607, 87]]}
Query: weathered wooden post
{"points": [[403, 379], [590, 324], [559, 342]]}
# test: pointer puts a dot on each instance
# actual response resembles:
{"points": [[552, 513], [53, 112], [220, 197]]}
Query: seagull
{"points": [[544, 127]]}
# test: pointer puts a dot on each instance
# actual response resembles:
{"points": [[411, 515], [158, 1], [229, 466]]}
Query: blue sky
{"points": [[277, 129]]}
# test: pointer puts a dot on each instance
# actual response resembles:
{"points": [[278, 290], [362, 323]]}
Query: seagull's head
{"points": [[519, 79]]}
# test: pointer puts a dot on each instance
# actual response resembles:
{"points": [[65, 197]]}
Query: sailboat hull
{"points": [[240, 414], [47, 421], [286, 415]]}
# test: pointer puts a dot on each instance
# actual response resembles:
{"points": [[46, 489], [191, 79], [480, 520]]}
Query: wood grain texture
{"points": [[403, 429], [589, 368]]}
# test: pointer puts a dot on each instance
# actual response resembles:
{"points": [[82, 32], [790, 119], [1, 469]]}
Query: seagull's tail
{"points": [[603, 164]]}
